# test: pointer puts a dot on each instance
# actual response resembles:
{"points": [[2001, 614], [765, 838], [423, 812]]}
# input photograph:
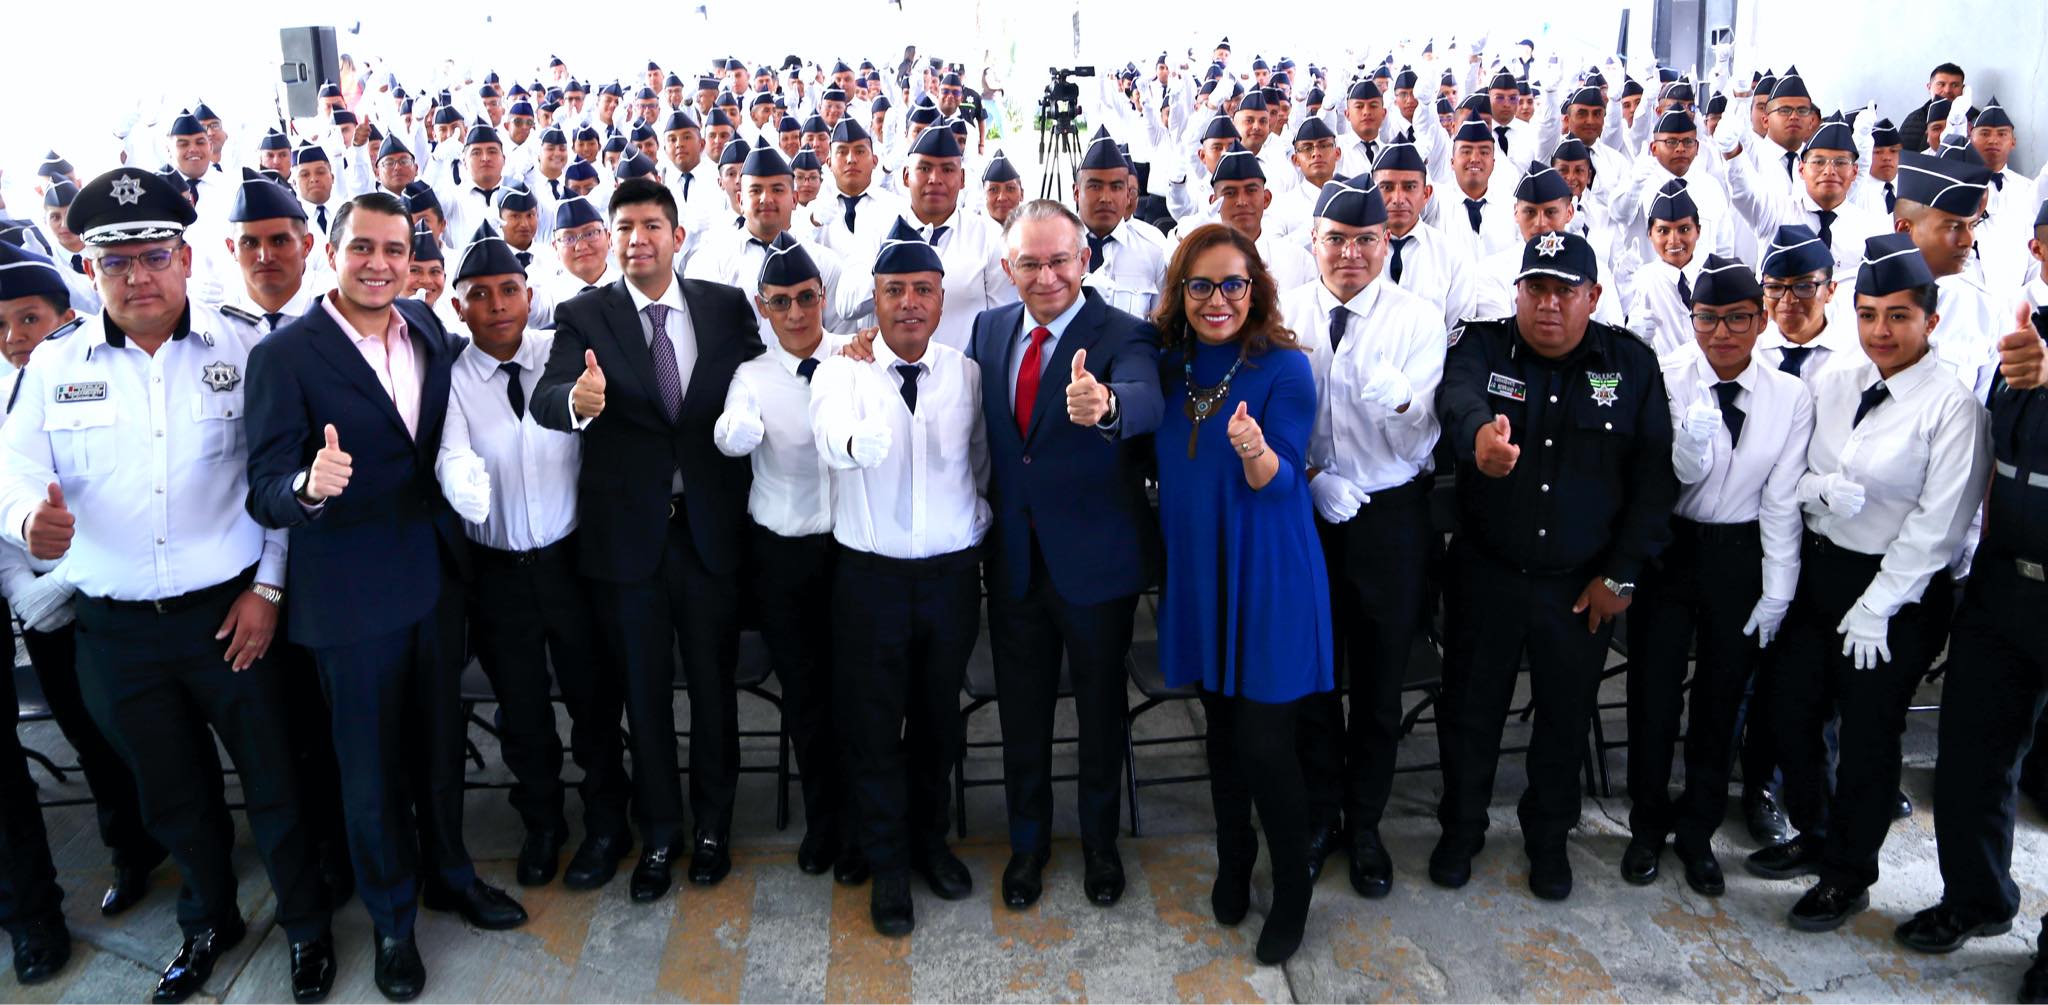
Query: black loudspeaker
{"points": [[310, 59]]}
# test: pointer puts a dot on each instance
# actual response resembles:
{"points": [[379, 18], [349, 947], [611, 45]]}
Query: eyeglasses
{"points": [[1739, 322], [1796, 112], [1806, 290], [782, 302], [572, 240], [1836, 163], [1232, 287], [399, 161], [154, 261], [1032, 266], [1360, 243], [1680, 143]]}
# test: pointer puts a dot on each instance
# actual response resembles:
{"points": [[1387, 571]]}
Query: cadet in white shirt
{"points": [[970, 244], [474, 202], [1804, 339], [1672, 155], [1938, 207], [734, 256], [1365, 111], [274, 246], [1420, 258], [1002, 189], [1239, 198], [909, 455], [1827, 170], [1660, 292], [1721, 588], [1483, 218], [178, 588], [1896, 470], [861, 210], [1543, 205], [313, 178], [1122, 266], [1378, 354], [767, 417], [583, 246]]}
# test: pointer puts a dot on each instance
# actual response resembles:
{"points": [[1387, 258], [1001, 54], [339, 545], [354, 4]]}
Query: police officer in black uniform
{"points": [[1996, 694], [1549, 544]]}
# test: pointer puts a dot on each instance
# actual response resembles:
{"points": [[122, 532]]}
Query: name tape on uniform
{"points": [[91, 390]]}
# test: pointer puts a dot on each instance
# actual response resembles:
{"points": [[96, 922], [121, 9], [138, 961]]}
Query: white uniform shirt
{"points": [[792, 491], [925, 498], [152, 456], [308, 296], [533, 469], [874, 212], [733, 256], [1287, 258], [1133, 269], [1654, 307], [1435, 268], [1755, 479], [1368, 444], [971, 248], [1763, 210]]}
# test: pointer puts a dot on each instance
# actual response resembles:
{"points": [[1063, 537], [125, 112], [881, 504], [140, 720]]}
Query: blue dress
{"points": [[1245, 609]]}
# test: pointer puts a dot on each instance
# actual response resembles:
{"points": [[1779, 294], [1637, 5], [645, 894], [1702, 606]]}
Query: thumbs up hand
{"points": [[586, 399], [1244, 433], [1088, 400], [50, 526], [1493, 452], [2021, 357], [330, 471]]}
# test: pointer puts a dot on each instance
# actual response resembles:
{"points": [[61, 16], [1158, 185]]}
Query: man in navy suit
{"points": [[1070, 391], [345, 413], [640, 368]]}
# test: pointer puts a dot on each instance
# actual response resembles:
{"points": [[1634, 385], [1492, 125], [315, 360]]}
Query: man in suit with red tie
{"points": [[640, 368]]}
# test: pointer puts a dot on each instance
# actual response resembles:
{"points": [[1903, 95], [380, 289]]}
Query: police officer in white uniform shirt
{"points": [[1806, 336], [1420, 258], [1827, 169], [861, 211], [1659, 294], [1365, 111], [313, 179], [971, 245], [1378, 354], [734, 256], [474, 202], [514, 484], [1937, 205], [583, 245], [275, 248], [1123, 266], [125, 454]]}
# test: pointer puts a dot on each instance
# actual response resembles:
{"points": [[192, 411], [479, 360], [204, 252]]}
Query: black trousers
{"points": [[1811, 681], [1695, 598], [1991, 699], [116, 806], [1497, 616], [1029, 635], [531, 629], [1254, 760], [642, 625], [398, 738], [155, 683], [902, 630], [1379, 562], [28, 878], [792, 579], [312, 742]]}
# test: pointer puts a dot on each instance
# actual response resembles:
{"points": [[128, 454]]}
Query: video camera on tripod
{"points": [[1062, 100]]}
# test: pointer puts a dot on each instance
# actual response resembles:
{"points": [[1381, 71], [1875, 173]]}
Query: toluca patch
{"points": [[1507, 387], [1605, 388], [90, 390], [221, 377]]}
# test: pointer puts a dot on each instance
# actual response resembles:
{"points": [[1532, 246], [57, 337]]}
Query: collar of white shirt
{"points": [[531, 357], [671, 298], [1360, 304], [1708, 378], [1908, 382], [828, 347], [1058, 325]]}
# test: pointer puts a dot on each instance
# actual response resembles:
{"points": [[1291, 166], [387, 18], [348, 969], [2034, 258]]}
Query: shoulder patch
{"points": [[239, 314], [67, 328]]}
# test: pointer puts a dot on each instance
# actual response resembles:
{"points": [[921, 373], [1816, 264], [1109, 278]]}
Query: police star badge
{"points": [[221, 377], [1550, 244], [1605, 387], [126, 191]]}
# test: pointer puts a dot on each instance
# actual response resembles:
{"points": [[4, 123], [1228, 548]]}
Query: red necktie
{"points": [[1027, 378]]}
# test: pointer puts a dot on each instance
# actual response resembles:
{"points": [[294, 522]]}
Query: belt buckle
{"points": [[158, 603], [2031, 570]]}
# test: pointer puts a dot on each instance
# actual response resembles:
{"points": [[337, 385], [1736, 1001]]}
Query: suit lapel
{"points": [[329, 341], [624, 324], [1081, 333], [432, 349], [1002, 333]]}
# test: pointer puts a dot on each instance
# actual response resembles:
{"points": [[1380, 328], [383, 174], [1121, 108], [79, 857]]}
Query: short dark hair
{"points": [[369, 202], [1928, 297], [638, 191], [59, 302], [1948, 68]]}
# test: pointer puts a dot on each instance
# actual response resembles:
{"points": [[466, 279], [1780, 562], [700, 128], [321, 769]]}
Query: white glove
{"points": [[1387, 386], [1765, 619], [1864, 633], [45, 605], [1729, 134], [1337, 499], [468, 490], [738, 431], [1959, 114], [1702, 421], [869, 444], [1833, 492]]}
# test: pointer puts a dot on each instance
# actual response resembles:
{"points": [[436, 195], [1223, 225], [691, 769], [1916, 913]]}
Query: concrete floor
{"points": [[770, 933]]}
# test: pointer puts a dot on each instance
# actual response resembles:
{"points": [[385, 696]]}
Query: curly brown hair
{"points": [[1263, 329]]}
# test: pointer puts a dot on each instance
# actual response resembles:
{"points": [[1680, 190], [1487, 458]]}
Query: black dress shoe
{"points": [[1790, 860], [1450, 862], [1702, 872], [312, 969], [1323, 841], [1766, 818], [1231, 897], [1024, 879], [1639, 860], [189, 970], [1102, 876], [2034, 983], [596, 861], [889, 904], [129, 885], [1372, 869], [400, 974], [41, 948], [1942, 929], [539, 857], [482, 905], [944, 873], [711, 861], [817, 852], [1826, 906], [1904, 807], [851, 867], [651, 877], [1550, 874]]}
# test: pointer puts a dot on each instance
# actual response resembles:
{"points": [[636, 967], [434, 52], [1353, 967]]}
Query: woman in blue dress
{"points": [[1244, 614]]}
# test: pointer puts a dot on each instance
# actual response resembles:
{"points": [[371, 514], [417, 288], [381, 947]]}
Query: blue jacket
{"points": [[1080, 490]]}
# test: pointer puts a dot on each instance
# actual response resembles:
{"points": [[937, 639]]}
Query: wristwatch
{"points": [[1619, 589], [300, 482], [268, 592]]}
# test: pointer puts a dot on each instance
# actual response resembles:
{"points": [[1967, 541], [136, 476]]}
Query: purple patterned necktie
{"points": [[666, 375]]}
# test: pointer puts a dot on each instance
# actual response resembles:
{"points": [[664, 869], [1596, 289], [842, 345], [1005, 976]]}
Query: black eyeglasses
{"points": [[782, 302], [1805, 290], [1739, 322], [1233, 287], [155, 260]]}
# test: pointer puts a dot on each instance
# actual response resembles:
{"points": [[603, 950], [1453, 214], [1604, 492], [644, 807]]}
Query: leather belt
{"points": [[2034, 479]]}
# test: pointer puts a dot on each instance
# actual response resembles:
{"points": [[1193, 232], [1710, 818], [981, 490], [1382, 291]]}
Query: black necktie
{"points": [[1394, 265], [1791, 165], [1372, 153], [1500, 136], [78, 264], [555, 186], [1998, 181], [686, 186], [1685, 291], [1095, 243], [937, 232], [320, 213], [1730, 415], [274, 317], [1827, 232], [850, 202], [806, 368], [457, 165], [909, 372], [514, 391], [1339, 317], [1872, 395], [1472, 212], [1795, 359], [1891, 197], [193, 184]]}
